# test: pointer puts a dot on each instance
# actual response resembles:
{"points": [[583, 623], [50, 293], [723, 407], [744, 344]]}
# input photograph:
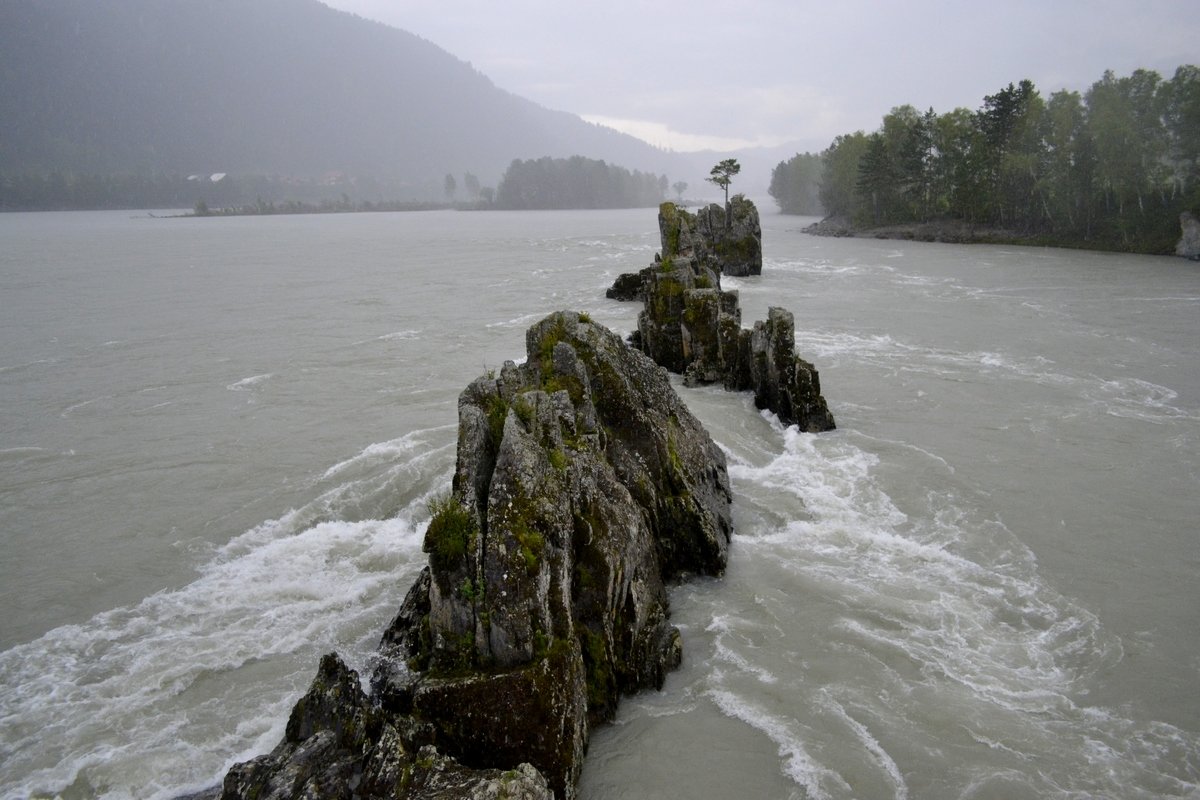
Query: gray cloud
{"points": [[769, 71]]}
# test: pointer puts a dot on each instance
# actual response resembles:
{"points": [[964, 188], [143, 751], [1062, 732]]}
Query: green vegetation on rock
{"points": [[451, 533]]}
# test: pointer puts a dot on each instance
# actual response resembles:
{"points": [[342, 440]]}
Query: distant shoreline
{"points": [[952, 231], [291, 208]]}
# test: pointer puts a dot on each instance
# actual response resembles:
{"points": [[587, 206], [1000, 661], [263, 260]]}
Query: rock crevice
{"points": [[582, 484], [693, 327]]}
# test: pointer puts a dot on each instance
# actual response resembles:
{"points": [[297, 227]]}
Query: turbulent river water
{"points": [[218, 437]]}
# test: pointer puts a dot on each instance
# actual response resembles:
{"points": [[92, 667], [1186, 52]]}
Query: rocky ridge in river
{"points": [[582, 483], [692, 327]]}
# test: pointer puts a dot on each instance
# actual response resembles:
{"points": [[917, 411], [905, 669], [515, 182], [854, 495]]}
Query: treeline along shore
{"points": [[1113, 168], [544, 183]]}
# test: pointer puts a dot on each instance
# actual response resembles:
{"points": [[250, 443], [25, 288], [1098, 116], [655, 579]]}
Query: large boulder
{"points": [[582, 484], [339, 744], [627, 286]]}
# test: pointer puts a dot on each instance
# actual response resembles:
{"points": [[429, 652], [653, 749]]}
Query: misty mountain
{"points": [[280, 87]]}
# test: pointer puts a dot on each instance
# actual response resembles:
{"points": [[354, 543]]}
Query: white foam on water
{"points": [[161, 697], [885, 350], [26, 365], [798, 765], [386, 451], [870, 744], [247, 384], [394, 336], [71, 409], [809, 266], [1133, 398], [721, 627], [937, 616], [516, 322]]}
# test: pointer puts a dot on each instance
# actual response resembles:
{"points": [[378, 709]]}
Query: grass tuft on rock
{"points": [[451, 533]]}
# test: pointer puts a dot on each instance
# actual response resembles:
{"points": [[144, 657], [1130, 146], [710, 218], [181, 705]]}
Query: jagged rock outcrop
{"points": [[704, 237], [1189, 236], [340, 744], [734, 238], [627, 286], [693, 327], [582, 483]]}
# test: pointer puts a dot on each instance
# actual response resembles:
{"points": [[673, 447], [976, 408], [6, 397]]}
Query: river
{"points": [[218, 437]]}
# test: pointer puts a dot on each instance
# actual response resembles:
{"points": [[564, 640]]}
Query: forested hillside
{"points": [[286, 88], [1110, 168]]}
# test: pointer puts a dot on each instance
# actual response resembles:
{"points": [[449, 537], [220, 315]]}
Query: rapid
{"points": [[218, 437]]}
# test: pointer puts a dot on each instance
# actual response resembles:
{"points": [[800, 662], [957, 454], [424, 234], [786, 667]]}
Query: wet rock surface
{"points": [[582, 484], [693, 327]]}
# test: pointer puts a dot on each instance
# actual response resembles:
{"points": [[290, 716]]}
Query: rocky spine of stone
{"points": [[691, 326], [582, 485]]}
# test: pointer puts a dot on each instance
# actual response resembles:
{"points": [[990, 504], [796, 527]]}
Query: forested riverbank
{"points": [[1109, 169]]}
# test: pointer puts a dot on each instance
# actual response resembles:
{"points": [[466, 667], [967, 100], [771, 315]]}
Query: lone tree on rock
{"points": [[722, 175]]}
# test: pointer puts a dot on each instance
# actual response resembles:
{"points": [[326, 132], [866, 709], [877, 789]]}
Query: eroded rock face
{"points": [[627, 286], [692, 327], [582, 482], [781, 380], [734, 239], [340, 744], [716, 245]]}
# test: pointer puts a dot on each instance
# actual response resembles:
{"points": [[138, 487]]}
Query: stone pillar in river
{"points": [[693, 327]]}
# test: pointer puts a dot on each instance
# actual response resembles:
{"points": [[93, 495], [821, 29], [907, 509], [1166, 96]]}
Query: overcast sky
{"points": [[726, 75]]}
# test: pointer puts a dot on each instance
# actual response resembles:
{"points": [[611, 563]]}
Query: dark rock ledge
{"points": [[692, 327], [582, 484]]}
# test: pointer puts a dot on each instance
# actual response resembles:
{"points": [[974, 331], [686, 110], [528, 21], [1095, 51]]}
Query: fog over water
{"points": [[218, 437], [717, 77]]}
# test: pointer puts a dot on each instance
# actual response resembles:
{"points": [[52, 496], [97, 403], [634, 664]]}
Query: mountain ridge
{"points": [[280, 87]]}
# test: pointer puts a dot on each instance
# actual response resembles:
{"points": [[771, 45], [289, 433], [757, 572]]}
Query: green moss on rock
{"points": [[450, 535]]}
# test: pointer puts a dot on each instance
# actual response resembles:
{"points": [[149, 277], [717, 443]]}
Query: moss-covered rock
{"points": [[782, 381], [733, 236], [331, 730], [628, 286], [582, 482], [534, 713], [690, 326]]}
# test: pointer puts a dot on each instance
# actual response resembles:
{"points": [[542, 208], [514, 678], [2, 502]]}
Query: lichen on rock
{"points": [[733, 235], [582, 483], [693, 327]]}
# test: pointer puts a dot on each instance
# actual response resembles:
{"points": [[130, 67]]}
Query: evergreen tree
{"points": [[796, 184], [839, 177], [722, 175], [877, 178]]}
